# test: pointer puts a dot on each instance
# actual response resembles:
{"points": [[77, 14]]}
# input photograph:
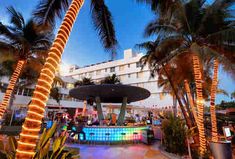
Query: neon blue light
{"points": [[100, 134]]}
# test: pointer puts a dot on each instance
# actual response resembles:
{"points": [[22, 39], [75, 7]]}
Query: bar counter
{"points": [[113, 133]]}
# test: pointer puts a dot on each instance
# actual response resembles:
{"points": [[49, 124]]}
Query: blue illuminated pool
{"points": [[113, 133]]}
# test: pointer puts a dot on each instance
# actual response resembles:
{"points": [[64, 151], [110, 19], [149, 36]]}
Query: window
{"points": [[70, 70], [106, 69], [90, 74], [138, 64], [98, 72], [129, 75], [139, 75], [70, 86], [122, 77], [4, 87], [128, 65], [25, 93], [121, 68], [30, 93], [20, 91], [112, 69]]}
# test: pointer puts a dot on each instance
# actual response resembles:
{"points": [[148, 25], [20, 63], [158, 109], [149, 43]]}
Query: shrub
{"points": [[174, 131], [43, 148]]}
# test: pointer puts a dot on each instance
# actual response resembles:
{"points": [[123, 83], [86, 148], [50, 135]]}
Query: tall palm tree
{"points": [[47, 11], [84, 81], [26, 43], [152, 57], [111, 80], [194, 27]]}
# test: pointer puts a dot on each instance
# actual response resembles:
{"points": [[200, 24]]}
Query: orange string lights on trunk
{"points": [[32, 124], [212, 102], [11, 86], [200, 104]]}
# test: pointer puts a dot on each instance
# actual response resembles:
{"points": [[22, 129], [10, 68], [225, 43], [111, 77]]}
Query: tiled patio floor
{"points": [[139, 151]]}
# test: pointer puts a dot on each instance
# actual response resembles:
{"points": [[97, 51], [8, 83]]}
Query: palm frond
{"points": [[224, 37], [162, 6], [218, 15], [222, 91], [149, 45], [102, 20], [155, 27], [16, 18], [6, 33], [48, 10]]}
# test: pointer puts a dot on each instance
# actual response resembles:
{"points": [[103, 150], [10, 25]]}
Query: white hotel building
{"points": [[129, 72], [127, 69]]}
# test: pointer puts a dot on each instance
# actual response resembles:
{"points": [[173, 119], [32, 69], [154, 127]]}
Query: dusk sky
{"points": [[84, 48]]}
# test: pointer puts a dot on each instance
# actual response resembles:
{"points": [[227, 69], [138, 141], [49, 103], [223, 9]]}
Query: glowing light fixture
{"points": [[200, 104], [212, 102], [10, 87], [32, 124]]}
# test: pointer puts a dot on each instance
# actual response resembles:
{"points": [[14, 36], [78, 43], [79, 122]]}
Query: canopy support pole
{"points": [[99, 109], [122, 113]]}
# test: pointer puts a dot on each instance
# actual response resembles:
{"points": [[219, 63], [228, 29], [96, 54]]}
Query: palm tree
{"points": [[55, 90], [26, 43], [194, 27], [83, 82], [47, 11], [111, 80], [152, 57]]}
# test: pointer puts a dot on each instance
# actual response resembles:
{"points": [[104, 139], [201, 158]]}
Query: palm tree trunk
{"points": [[200, 104], [32, 124], [188, 108], [10, 88], [212, 103], [190, 99], [188, 122]]}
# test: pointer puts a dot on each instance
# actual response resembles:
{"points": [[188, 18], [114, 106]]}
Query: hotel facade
{"points": [[127, 69]]}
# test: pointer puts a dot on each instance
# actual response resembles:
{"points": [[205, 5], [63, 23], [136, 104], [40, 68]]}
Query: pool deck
{"points": [[137, 151]]}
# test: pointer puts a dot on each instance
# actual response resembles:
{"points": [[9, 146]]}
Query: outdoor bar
{"points": [[114, 133], [111, 93]]}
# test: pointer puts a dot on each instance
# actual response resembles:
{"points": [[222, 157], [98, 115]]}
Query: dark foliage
{"points": [[174, 138], [48, 10], [84, 81], [111, 80]]}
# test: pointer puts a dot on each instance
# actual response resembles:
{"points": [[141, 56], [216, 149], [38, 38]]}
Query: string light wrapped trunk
{"points": [[212, 102], [31, 127], [191, 102], [200, 104], [11, 87]]}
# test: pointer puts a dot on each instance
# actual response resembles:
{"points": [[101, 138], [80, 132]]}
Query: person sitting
{"points": [[71, 124], [80, 130]]}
